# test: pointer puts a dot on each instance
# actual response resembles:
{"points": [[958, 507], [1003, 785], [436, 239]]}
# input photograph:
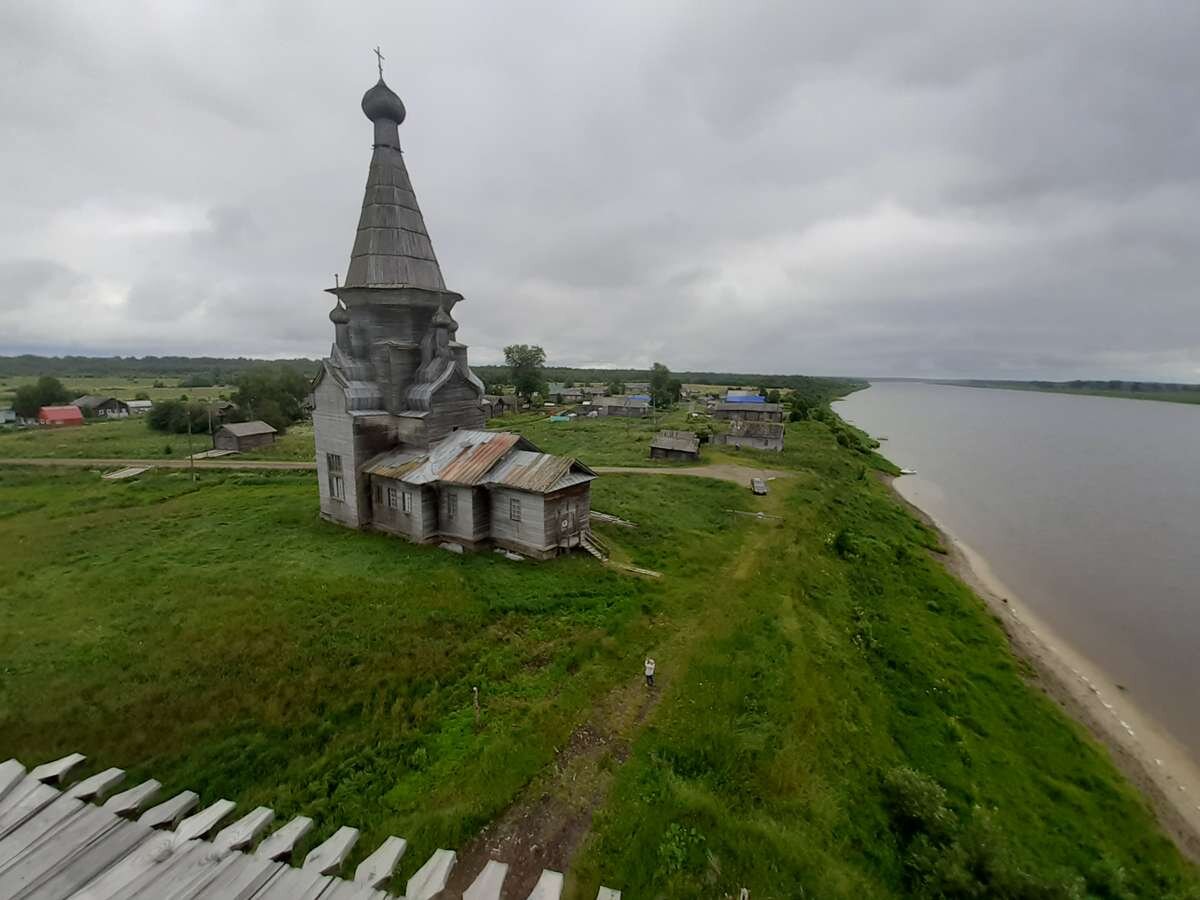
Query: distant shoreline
{"points": [[1163, 392], [1157, 764]]}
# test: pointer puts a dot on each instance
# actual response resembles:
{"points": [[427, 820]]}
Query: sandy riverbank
{"points": [[1161, 768]]}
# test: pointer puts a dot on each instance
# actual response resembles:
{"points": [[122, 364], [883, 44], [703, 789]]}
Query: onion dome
{"points": [[381, 102], [339, 315]]}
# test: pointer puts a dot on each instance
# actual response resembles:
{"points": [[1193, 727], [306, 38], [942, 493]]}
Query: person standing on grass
{"points": [[649, 672]]}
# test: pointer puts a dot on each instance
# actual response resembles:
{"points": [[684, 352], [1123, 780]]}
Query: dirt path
{"points": [[722, 471], [224, 463]]}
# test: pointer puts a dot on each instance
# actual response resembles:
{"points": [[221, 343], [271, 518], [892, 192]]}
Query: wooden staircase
{"points": [[595, 546]]}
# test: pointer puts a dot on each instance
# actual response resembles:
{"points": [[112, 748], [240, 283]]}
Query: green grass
{"points": [[121, 387], [132, 438], [838, 716], [603, 441]]}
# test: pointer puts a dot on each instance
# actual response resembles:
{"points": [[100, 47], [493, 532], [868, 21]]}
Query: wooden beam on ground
{"points": [[488, 883], [243, 832], [379, 866], [280, 844], [431, 877], [548, 887], [100, 783], [168, 813], [128, 802], [328, 856], [54, 771]]}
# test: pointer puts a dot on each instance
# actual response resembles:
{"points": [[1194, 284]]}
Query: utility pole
{"points": [[191, 458]]}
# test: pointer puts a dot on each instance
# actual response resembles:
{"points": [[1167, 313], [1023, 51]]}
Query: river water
{"points": [[1087, 508]]}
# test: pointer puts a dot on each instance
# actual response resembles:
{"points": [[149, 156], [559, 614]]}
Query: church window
{"points": [[378, 493], [514, 509], [451, 505], [337, 484], [391, 498], [406, 501]]}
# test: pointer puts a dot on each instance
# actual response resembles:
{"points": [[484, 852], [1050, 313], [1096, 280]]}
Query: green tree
{"points": [[172, 417], [274, 394], [616, 388], [772, 396], [664, 390], [525, 363], [47, 391]]}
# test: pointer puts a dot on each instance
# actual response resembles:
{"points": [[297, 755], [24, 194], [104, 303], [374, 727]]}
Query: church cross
{"points": [[379, 60]]}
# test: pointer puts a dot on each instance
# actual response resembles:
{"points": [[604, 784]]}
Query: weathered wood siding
{"points": [[413, 524], [527, 535], [566, 515], [758, 443], [333, 429], [663, 453], [455, 406], [226, 440]]}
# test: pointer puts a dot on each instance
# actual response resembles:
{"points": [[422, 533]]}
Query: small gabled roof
{"points": [[626, 401], [248, 429], [60, 414], [91, 401], [539, 473], [745, 428]]}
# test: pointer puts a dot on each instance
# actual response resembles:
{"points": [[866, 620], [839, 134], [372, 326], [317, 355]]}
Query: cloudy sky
{"points": [[878, 188]]}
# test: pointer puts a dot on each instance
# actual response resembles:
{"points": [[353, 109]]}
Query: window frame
{"points": [[406, 502], [514, 509], [336, 480], [451, 506], [393, 496]]}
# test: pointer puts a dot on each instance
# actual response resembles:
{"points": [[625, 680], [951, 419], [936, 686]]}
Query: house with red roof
{"points": [[60, 415]]}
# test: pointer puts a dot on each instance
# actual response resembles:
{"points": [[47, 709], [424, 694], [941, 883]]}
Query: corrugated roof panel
{"points": [[525, 470], [474, 461]]}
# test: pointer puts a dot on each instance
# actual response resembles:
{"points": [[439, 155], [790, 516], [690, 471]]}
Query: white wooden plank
{"points": [[488, 883], [41, 859], [98, 784], [12, 773], [130, 801], [243, 880], [201, 823], [153, 851], [192, 875], [607, 893], [354, 890], [157, 882], [379, 866], [431, 877], [24, 801], [36, 827], [548, 887], [93, 861], [281, 844], [54, 771], [295, 884], [243, 832], [169, 812], [329, 855]]}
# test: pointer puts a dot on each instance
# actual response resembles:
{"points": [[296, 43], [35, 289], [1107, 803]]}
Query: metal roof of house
{"points": [[474, 461], [142, 404], [91, 401], [541, 473], [60, 414], [669, 439], [248, 429], [726, 406]]}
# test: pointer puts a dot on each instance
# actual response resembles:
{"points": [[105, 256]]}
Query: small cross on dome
{"points": [[379, 58]]}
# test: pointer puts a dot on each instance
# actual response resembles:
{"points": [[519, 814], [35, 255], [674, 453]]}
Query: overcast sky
{"points": [[877, 188]]}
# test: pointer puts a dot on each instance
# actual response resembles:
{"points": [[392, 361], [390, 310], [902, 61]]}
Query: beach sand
{"points": [[1158, 765]]}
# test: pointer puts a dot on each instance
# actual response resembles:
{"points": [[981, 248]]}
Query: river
{"points": [[1087, 508]]}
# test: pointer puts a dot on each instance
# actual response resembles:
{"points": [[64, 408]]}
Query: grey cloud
{"points": [[933, 188]]}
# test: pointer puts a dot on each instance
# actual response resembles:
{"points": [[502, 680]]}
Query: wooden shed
{"points": [[624, 406], [672, 444], [241, 436], [94, 405]]}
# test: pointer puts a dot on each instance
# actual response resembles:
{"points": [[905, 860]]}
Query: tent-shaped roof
{"points": [[247, 429]]}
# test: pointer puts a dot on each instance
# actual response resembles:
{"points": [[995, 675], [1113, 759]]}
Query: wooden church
{"points": [[399, 415]]}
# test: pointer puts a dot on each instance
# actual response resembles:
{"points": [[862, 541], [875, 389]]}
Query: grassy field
{"points": [[121, 387], [837, 717], [132, 438]]}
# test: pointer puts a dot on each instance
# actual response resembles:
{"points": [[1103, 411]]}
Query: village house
{"points": [[95, 406], [629, 407], [243, 436], [60, 415], [398, 412], [748, 412], [139, 407], [8, 416], [759, 435], [672, 444]]}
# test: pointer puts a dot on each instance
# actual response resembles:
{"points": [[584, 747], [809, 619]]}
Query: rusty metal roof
{"points": [[541, 473], [395, 463], [475, 460]]}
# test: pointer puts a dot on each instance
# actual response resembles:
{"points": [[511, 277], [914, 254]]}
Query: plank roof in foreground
{"points": [[87, 842]]}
